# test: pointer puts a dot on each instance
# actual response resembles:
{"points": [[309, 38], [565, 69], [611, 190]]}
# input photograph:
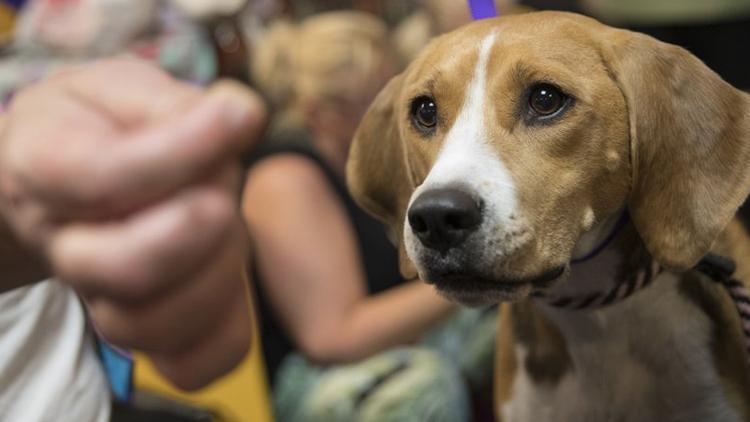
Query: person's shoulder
{"points": [[287, 174]]}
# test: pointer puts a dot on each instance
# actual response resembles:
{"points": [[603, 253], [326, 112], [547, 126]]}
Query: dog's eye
{"points": [[424, 112], [546, 100]]}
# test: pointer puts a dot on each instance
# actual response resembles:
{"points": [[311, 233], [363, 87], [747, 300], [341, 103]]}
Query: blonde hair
{"points": [[327, 56]]}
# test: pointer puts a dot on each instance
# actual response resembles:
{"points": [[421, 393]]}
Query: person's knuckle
{"points": [[46, 166], [210, 210], [87, 188], [117, 277], [68, 177], [68, 265]]}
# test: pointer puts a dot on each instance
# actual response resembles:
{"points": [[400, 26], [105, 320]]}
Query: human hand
{"points": [[126, 181]]}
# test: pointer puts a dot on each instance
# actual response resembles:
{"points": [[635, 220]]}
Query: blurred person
{"points": [[301, 9], [130, 201], [178, 39], [327, 277], [51, 35], [83, 27], [318, 258], [435, 17]]}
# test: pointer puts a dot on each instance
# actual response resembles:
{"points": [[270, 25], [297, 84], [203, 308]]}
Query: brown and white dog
{"points": [[511, 147]]}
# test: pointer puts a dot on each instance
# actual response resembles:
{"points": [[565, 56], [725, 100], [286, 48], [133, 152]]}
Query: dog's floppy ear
{"points": [[689, 142], [377, 172]]}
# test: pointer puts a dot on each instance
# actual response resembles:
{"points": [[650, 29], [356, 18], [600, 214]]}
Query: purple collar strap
{"points": [[621, 223], [482, 9], [596, 300]]}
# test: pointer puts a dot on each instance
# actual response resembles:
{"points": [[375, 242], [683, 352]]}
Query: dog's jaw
{"points": [[474, 290]]}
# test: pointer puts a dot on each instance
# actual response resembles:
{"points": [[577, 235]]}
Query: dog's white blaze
{"points": [[467, 159]]}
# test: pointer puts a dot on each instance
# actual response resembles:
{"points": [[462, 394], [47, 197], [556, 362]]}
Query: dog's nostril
{"points": [[417, 223], [443, 218]]}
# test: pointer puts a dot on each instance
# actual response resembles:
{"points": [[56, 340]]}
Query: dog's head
{"points": [[506, 141]]}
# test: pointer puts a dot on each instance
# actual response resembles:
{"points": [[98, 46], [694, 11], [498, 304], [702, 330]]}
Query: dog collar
{"points": [[636, 282], [621, 223], [719, 269]]}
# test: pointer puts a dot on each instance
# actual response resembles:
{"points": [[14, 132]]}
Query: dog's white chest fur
{"points": [[647, 359]]}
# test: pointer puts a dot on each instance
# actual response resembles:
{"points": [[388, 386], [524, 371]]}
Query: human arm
{"points": [[124, 181], [311, 271]]}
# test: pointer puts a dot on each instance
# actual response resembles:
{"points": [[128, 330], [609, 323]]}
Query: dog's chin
{"points": [[477, 290], [485, 296]]}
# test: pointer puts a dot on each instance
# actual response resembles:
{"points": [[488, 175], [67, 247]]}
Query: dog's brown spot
{"points": [[506, 366], [547, 359]]}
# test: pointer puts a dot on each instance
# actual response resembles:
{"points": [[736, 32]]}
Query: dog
{"points": [[546, 158]]}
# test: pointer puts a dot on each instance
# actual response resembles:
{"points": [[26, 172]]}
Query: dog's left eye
{"points": [[546, 100], [424, 113]]}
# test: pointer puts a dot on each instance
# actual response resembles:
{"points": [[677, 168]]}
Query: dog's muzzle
{"points": [[443, 218]]}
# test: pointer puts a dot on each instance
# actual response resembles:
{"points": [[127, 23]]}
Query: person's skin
{"points": [[309, 257], [123, 182]]}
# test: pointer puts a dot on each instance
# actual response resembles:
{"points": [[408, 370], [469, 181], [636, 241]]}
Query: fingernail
{"points": [[241, 108]]}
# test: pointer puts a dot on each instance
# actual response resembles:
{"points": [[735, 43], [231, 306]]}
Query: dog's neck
{"points": [[623, 253], [624, 353]]}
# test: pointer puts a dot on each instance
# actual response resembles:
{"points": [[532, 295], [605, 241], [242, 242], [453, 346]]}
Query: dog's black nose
{"points": [[443, 218]]}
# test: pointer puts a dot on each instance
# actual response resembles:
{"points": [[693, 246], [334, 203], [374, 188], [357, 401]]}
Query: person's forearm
{"points": [[18, 265], [398, 316]]}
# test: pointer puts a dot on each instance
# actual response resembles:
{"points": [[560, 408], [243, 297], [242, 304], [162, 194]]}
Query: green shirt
{"points": [[656, 12]]}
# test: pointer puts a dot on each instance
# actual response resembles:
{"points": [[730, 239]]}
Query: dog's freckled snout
{"points": [[443, 218]]}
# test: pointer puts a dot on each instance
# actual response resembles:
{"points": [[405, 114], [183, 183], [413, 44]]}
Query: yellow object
{"points": [[7, 23], [240, 396]]}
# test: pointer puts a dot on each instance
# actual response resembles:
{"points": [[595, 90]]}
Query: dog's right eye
{"points": [[545, 100], [424, 113]]}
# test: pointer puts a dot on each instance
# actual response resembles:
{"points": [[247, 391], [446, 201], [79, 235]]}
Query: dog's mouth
{"points": [[476, 290]]}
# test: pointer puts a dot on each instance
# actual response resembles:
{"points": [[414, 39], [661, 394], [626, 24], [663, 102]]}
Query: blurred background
{"points": [[340, 336]]}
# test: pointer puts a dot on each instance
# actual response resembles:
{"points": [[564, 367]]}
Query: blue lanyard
{"points": [[481, 9]]}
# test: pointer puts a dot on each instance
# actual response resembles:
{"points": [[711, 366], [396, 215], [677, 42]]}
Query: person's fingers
{"points": [[29, 152], [148, 252], [132, 92], [162, 324], [92, 178], [186, 147]]}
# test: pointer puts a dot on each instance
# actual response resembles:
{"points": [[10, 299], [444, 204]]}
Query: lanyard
{"points": [[481, 9]]}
